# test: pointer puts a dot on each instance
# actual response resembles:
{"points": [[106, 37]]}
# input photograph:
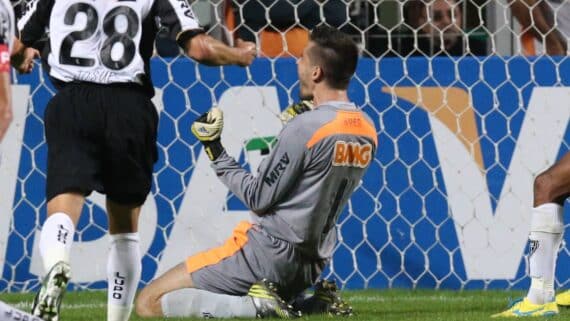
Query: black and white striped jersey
{"points": [[105, 41], [7, 24]]}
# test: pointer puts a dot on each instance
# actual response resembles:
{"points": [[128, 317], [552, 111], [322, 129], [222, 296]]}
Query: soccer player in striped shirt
{"points": [[101, 126]]}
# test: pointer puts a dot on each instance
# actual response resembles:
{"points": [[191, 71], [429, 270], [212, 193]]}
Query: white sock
{"points": [[545, 238], [123, 275], [200, 303], [56, 239], [9, 313]]}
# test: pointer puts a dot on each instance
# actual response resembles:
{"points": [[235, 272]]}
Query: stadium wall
{"points": [[445, 204]]}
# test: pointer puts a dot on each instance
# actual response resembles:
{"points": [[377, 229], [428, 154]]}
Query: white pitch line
{"points": [[413, 298], [352, 298], [71, 306]]}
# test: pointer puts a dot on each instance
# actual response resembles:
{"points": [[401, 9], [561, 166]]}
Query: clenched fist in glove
{"points": [[295, 109], [208, 129]]}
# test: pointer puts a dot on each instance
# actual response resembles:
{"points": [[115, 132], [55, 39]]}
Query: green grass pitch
{"points": [[388, 305]]}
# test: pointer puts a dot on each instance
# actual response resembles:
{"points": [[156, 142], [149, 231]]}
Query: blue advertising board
{"points": [[421, 217]]}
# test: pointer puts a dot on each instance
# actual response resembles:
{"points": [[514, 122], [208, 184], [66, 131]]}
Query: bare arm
{"points": [[209, 51], [180, 23], [539, 17], [5, 103]]}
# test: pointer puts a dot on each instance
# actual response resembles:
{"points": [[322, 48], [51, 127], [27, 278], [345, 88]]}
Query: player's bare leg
{"points": [[56, 237], [124, 260], [551, 188], [553, 185], [173, 295], [148, 302]]}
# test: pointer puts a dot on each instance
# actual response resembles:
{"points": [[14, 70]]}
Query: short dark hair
{"points": [[335, 53]]}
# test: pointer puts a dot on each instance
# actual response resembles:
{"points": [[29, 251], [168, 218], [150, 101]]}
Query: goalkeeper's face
{"points": [[306, 70]]}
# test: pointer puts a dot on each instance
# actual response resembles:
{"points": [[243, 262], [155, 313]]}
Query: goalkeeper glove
{"points": [[208, 129], [295, 109]]}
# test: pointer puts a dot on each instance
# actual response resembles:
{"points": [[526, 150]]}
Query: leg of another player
{"points": [[172, 295], [551, 188], [56, 237], [124, 260]]}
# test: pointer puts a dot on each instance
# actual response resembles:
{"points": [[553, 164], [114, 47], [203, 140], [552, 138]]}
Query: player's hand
{"points": [[208, 129], [293, 110], [247, 51], [23, 61]]}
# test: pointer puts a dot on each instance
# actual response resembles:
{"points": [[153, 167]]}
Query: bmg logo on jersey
{"points": [[352, 154]]}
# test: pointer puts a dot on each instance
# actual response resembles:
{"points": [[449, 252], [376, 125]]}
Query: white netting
{"points": [[465, 122]]}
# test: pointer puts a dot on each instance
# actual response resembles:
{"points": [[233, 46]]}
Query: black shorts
{"points": [[101, 138]]}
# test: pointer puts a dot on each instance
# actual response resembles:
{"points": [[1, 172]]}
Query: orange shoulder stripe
{"points": [[348, 123], [210, 257]]}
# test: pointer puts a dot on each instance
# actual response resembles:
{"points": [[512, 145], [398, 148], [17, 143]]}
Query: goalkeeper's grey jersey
{"points": [[104, 41], [304, 183]]}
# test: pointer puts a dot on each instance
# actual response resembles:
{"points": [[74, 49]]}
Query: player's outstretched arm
{"points": [[210, 51]]}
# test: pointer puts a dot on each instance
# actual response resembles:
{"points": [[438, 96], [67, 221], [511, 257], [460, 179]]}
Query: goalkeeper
{"points": [[295, 200]]}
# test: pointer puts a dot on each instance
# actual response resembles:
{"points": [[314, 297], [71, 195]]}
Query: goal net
{"points": [[468, 107]]}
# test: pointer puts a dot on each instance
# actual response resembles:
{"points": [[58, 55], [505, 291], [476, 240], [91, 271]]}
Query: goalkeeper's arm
{"points": [[258, 192]]}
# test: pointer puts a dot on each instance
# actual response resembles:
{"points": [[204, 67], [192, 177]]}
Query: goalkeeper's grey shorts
{"points": [[248, 256]]}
